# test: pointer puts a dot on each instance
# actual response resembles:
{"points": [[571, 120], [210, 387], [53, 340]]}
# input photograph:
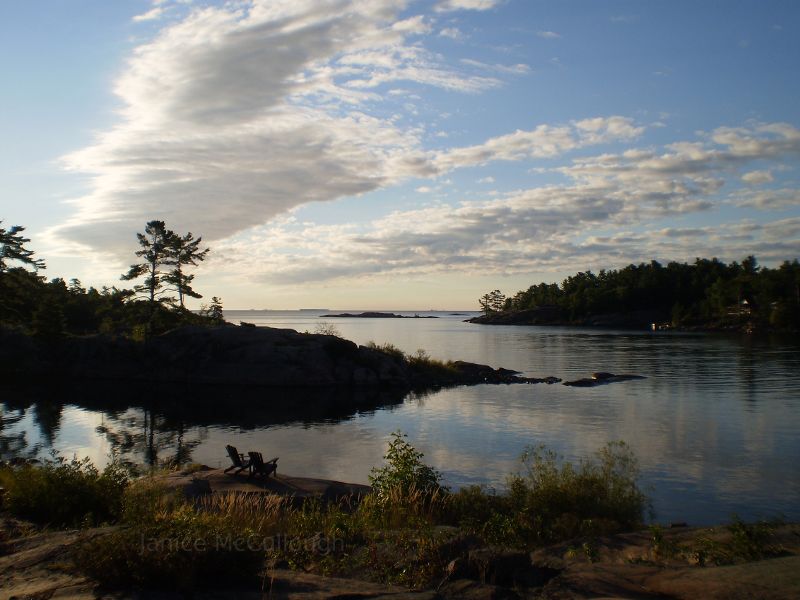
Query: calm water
{"points": [[715, 423]]}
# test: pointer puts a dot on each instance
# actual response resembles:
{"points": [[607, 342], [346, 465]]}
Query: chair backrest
{"points": [[234, 454], [256, 459]]}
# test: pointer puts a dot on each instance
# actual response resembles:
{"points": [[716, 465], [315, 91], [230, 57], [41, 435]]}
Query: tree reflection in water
{"points": [[161, 424]]}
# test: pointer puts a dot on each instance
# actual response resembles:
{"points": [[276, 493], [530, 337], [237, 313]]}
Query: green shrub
{"points": [[404, 471], [553, 500], [393, 535], [556, 500], [65, 493], [745, 542]]}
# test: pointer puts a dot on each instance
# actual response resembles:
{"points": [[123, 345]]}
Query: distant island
{"points": [[706, 295], [380, 315]]}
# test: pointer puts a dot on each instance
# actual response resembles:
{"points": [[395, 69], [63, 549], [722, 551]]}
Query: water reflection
{"points": [[163, 424], [714, 423]]}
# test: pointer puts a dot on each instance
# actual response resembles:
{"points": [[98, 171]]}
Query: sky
{"points": [[393, 154]]}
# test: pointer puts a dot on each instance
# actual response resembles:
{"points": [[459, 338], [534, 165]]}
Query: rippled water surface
{"points": [[715, 423]]}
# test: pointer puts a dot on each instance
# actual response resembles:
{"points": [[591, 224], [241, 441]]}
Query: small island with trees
{"points": [[705, 295]]}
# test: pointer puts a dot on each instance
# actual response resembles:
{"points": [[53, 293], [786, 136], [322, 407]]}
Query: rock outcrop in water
{"points": [[227, 355], [602, 378]]}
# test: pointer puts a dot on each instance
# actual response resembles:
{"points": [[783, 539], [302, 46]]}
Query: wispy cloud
{"points": [[238, 113], [552, 227], [548, 35], [757, 177], [452, 5], [517, 69], [454, 33], [235, 115], [153, 14]]}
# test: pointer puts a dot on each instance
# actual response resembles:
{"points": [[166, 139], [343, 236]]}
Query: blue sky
{"points": [[392, 154]]}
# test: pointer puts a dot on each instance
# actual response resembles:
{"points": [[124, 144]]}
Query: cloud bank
{"points": [[235, 115]]}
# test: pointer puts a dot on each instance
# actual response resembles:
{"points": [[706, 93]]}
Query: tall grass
{"points": [[420, 362], [393, 535], [64, 493]]}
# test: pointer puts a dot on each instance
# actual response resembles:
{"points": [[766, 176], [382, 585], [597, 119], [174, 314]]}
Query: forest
{"points": [[54, 308], [705, 293]]}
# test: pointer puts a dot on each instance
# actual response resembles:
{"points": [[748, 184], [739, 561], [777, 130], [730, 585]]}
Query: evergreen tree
{"points": [[157, 254], [492, 302], [12, 248], [214, 310], [185, 251]]}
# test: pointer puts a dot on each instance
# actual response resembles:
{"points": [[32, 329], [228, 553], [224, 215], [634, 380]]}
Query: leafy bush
{"points": [[404, 472], [64, 492]]}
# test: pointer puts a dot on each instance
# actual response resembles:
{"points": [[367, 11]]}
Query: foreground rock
{"points": [[228, 355], [41, 565], [204, 480]]}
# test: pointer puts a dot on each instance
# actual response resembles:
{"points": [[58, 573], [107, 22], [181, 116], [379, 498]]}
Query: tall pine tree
{"points": [[12, 247], [157, 243], [185, 252]]}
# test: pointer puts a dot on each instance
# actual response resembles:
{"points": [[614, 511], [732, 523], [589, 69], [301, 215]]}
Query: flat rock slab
{"points": [[602, 379], [216, 481]]}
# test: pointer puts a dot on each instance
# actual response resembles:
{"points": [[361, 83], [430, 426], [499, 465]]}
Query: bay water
{"points": [[715, 424]]}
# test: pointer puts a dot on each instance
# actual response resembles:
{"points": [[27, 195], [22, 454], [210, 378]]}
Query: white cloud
{"points": [[238, 113], [544, 141], [779, 199], [454, 33], [518, 69], [552, 227], [534, 230], [757, 177], [548, 35], [452, 5], [153, 14]]}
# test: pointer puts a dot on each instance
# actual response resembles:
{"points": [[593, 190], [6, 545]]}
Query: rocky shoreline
{"points": [[244, 356], [638, 320], [40, 564], [250, 357]]}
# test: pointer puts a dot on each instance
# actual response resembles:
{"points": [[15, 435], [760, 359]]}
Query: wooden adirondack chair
{"points": [[240, 463], [258, 466]]}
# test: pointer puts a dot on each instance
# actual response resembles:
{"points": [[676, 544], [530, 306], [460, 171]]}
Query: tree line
{"points": [[28, 301], [705, 292]]}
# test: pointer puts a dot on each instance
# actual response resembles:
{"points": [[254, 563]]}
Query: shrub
{"points": [[64, 492], [745, 542], [325, 328], [389, 349], [404, 472], [556, 500]]}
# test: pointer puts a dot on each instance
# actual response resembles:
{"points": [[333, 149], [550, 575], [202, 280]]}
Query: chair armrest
{"points": [[272, 460]]}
